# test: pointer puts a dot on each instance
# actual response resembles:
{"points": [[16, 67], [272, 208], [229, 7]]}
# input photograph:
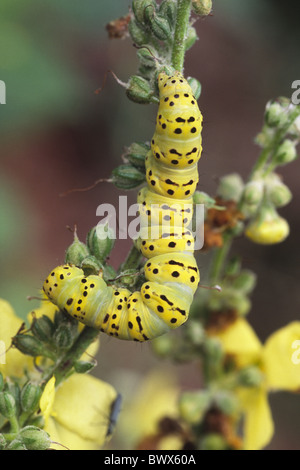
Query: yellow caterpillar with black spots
{"points": [[166, 210]]}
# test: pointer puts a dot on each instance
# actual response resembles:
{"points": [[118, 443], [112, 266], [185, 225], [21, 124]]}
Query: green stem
{"points": [[14, 425], [268, 152], [219, 259], [132, 261], [181, 27], [261, 161], [63, 367]]}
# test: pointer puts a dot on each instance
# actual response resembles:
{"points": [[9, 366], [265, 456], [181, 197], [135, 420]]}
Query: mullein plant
{"points": [[48, 360]]}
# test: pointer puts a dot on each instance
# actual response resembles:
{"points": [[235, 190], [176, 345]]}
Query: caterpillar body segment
{"points": [[166, 241]]}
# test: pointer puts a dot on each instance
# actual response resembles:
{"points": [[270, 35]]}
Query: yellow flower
{"points": [[281, 371], [155, 398], [12, 361], [77, 413], [281, 358], [268, 227]]}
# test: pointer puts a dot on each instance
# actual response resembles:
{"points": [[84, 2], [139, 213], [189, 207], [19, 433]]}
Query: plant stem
{"points": [[14, 425], [132, 261], [181, 27], [269, 151], [219, 259], [62, 368]]}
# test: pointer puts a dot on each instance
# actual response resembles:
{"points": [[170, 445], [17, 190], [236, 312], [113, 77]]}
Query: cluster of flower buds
{"points": [[213, 411], [266, 192], [261, 198], [281, 131], [18, 407], [91, 256], [131, 173], [152, 28], [47, 338]]}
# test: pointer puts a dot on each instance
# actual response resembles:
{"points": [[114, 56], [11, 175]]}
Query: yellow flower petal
{"points": [[47, 399], [282, 358], [63, 438], [12, 362], [171, 443], [258, 426], [155, 398], [240, 340], [82, 406], [269, 231]]}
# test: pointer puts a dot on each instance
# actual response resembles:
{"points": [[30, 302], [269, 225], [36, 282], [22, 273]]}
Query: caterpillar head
{"points": [[169, 84]]}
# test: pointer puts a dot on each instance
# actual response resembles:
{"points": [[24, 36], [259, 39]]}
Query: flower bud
{"points": [[163, 345], [275, 114], [76, 252], [64, 335], [168, 9], [195, 333], [200, 197], [7, 405], [226, 401], [42, 328], [294, 130], [34, 438], [202, 7], [229, 299], [91, 265], [14, 390], [16, 444], [231, 187], [159, 26], [3, 442], [237, 229], [265, 137], [245, 281], [137, 33], [213, 441], [195, 86], [250, 377], [267, 228], [30, 397], [193, 405], [286, 153], [136, 154], [128, 278], [213, 349], [147, 56], [30, 345], [141, 8], [277, 192], [101, 240], [108, 272], [253, 192], [191, 38], [82, 367], [127, 177], [139, 90]]}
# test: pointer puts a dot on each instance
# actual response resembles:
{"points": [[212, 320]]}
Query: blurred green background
{"points": [[57, 134]]}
